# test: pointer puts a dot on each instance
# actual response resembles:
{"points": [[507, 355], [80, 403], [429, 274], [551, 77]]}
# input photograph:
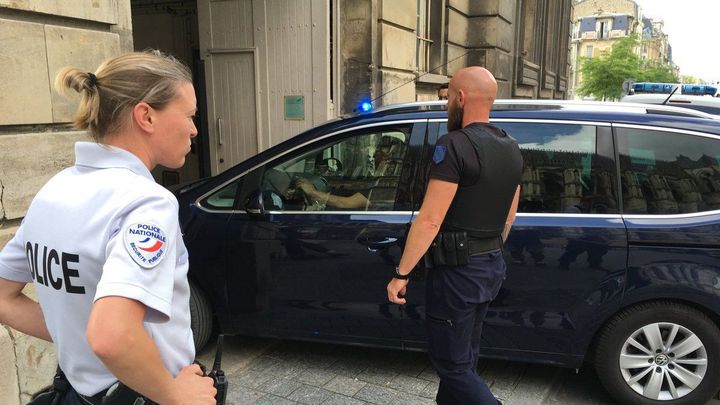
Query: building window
{"points": [[604, 30], [530, 38], [424, 43], [589, 51]]}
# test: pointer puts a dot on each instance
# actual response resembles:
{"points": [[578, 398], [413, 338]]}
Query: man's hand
{"points": [[191, 387], [306, 186], [395, 289]]}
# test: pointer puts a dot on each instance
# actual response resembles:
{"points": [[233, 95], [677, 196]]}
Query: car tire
{"points": [[201, 319], [659, 352]]}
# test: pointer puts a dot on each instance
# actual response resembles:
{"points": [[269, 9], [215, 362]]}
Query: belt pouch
{"points": [[462, 250], [449, 248], [436, 250]]}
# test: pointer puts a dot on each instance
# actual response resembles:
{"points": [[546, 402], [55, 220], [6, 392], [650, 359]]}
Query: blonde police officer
{"points": [[102, 244]]}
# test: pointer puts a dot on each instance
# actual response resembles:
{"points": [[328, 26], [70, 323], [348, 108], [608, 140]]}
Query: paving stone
{"points": [[375, 375], [429, 374], [249, 378], [286, 369], [242, 396], [346, 369], [274, 400], [404, 398], [263, 363], [502, 377], [309, 395], [534, 385], [408, 384], [315, 376], [280, 386], [430, 390], [412, 364], [338, 399], [345, 385], [376, 394]]}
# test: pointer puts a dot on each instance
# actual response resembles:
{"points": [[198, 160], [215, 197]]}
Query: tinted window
{"points": [[223, 199], [358, 173], [562, 171], [668, 173]]}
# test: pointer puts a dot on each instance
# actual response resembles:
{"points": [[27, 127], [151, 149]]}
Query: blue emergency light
{"points": [[699, 89], [662, 88], [365, 106]]}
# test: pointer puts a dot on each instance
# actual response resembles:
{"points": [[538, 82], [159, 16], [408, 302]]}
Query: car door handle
{"points": [[374, 244]]}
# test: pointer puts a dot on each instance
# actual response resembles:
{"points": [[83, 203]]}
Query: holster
{"points": [[449, 248]]}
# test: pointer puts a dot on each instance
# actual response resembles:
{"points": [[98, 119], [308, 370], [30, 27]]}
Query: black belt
{"points": [[479, 246], [121, 394]]}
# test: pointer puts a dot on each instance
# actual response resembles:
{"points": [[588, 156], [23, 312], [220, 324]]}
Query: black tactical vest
{"points": [[480, 209]]}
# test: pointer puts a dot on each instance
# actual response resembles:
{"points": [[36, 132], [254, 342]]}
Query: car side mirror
{"points": [[254, 204], [258, 202]]}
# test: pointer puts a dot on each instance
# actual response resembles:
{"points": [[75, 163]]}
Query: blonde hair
{"points": [[118, 85]]}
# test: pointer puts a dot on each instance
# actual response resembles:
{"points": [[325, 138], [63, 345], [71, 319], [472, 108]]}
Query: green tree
{"points": [[690, 80], [602, 77], [656, 72]]}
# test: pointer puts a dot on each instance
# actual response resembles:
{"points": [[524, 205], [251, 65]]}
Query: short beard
{"points": [[455, 118]]}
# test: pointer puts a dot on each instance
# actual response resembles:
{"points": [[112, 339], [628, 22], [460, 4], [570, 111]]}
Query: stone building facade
{"points": [[343, 52], [598, 24]]}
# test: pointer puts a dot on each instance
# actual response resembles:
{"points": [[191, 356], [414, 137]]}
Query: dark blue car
{"points": [[614, 258]]}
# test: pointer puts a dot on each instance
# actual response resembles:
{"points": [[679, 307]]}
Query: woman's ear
{"points": [[143, 116]]}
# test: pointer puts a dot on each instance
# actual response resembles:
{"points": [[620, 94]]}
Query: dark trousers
{"points": [[456, 303]]}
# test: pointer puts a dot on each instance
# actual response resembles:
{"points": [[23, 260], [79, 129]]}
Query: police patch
{"points": [[146, 243], [439, 154]]}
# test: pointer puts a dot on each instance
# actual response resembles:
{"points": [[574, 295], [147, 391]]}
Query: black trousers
{"points": [[456, 304]]}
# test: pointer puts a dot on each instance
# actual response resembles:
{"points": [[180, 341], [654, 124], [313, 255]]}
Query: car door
{"points": [[567, 250], [671, 198], [298, 264]]}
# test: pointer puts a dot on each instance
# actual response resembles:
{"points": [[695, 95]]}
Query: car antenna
{"points": [[429, 71], [671, 94]]}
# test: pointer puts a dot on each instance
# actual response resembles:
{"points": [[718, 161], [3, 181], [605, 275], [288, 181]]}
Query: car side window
{"points": [[223, 199], [668, 173], [357, 173], [562, 173]]}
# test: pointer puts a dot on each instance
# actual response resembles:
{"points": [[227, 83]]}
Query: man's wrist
{"points": [[399, 275]]}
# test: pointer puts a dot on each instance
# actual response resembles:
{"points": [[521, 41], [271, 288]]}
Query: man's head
{"points": [[471, 94], [443, 92]]}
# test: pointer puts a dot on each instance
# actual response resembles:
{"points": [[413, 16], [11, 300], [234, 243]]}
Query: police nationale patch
{"points": [[439, 154], [146, 243]]}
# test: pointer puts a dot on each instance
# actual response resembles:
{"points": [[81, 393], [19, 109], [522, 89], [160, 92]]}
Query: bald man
{"points": [[469, 207]]}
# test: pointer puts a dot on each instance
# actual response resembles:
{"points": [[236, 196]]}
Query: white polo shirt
{"points": [[104, 228]]}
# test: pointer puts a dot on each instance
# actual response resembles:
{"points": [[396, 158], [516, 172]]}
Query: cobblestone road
{"points": [[269, 371]]}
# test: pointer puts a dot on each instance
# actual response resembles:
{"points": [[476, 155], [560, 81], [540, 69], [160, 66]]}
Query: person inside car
{"points": [[385, 163]]}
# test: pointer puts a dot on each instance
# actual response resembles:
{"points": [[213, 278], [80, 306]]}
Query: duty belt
{"points": [[479, 246]]}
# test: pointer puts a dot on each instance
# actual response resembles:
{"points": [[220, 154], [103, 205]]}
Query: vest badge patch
{"points": [[439, 154], [146, 243]]}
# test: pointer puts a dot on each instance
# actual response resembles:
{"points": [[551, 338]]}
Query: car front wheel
{"points": [[660, 352]]}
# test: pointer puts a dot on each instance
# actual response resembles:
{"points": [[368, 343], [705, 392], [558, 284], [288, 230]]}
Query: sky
{"points": [[691, 26]]}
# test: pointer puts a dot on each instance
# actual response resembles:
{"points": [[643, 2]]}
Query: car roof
{"points": [[591, 111], [679, 100]]}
